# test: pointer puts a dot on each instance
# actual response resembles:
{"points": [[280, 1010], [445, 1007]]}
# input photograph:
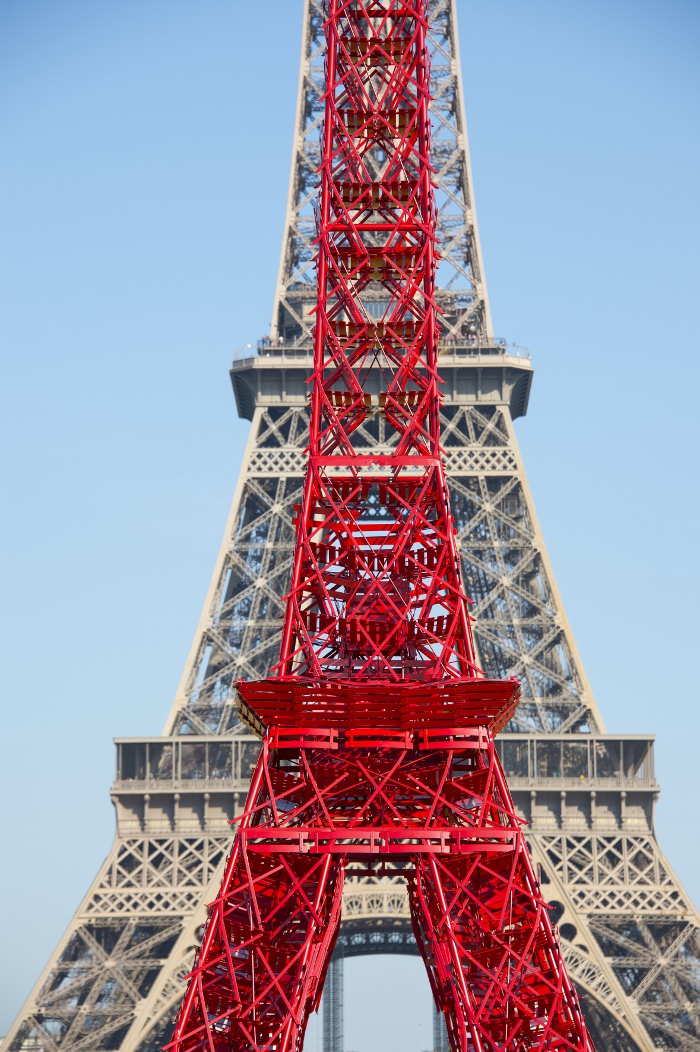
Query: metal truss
{"points": [[122, 938], [480, 922], [642, 922], [377, 725], [520, 627], [627, 921], [462, 289], [629, 934]]}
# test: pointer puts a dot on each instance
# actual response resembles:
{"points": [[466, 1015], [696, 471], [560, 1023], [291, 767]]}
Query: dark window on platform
{"points": [[133, 761], [515, 759], [248, 756], [193, 760], [607, 759], [548, 759], [220, 765], [575, 760], [160, 760]]}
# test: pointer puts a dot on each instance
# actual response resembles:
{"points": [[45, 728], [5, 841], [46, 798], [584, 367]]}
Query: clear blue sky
{"points": [[142, 192]]}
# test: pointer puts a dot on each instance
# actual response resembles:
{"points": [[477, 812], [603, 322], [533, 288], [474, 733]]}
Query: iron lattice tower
{"points": [[630, 936]]}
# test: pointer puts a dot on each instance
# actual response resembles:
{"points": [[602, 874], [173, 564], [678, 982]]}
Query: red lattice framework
{"points": [[378, 727]]}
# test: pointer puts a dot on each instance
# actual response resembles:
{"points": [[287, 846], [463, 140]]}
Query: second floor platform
{"points": [[493, 373]]}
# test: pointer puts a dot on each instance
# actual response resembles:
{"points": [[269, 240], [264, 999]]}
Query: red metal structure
{"points": [[378, 726]]}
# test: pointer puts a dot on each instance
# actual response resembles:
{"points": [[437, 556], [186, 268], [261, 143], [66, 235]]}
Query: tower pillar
{"points": [[332, 1006]]}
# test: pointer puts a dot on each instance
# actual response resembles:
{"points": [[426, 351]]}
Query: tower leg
{"points": [[332, 1003], [267, 944], [492, 957]]}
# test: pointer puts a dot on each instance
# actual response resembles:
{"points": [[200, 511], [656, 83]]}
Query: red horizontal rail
{"points": [[482, 840]]}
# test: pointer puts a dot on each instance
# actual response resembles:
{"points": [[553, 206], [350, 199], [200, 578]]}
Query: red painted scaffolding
{"points": [[377, 726]]}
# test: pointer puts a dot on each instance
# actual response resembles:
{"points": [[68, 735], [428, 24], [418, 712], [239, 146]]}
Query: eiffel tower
{"points": [[630, 936]]}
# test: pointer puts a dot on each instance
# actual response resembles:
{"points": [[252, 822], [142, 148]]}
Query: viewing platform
{"points": [[268, 374], [564, 782]]}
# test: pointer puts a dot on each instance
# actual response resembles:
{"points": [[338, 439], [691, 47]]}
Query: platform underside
{"points": [[364, 711]]}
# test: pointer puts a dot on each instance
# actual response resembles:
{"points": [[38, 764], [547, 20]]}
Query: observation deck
{"points": [[601, 782], [472, 372]]}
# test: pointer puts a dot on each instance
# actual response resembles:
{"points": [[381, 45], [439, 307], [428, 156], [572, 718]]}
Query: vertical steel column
{"points": [[332, 1004], [440, 1040]]}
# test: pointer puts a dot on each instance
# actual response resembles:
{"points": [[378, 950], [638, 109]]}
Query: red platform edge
{"points": [[293, 702]]}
